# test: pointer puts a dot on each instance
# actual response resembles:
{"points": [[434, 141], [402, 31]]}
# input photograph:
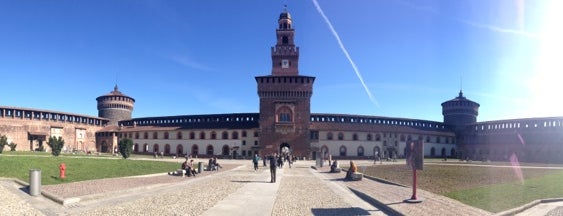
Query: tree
{"points": [[125, 147], [56, 145], [3, 142], [12, 146]]}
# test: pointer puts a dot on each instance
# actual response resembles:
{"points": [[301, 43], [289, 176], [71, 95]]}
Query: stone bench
{"points": [[336, 170], [355, 176]]}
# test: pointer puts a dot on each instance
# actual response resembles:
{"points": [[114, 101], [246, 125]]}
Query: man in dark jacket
{"points": [[273, 168]]}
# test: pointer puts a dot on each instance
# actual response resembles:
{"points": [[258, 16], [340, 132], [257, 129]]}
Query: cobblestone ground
{"points": [[14, 205], [302, 193], [190, 199]]}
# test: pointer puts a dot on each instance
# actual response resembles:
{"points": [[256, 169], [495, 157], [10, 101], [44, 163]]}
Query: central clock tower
{"points": [[285, 98]]}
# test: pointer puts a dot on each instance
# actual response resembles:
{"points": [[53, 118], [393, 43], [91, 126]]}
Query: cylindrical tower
{"points": [[115, 106], [460, 112]]}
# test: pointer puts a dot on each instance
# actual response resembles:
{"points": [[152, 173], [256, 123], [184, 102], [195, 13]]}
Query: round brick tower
{"points": [[460, 112], [115, 106]]}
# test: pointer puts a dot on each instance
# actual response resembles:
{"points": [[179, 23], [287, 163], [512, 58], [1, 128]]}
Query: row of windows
{"points": [[191, 135], [192, 119], [120, 106], [285, 80], [116, 98], [348, 119], [49, 116], [369, 137], [284, 94], [210, 150], [516, 125], [360, 151]]}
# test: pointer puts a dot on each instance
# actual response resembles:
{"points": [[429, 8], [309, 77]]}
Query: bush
{"points": [[125, 147], [56, 145], [3, 142], [12, 146]]}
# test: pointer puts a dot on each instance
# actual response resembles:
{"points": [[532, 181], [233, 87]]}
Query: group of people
{"points": [[189, 168]]}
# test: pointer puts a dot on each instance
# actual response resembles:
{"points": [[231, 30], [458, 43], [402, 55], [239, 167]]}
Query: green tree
{"points": [[3, 142], [125, 147], [56, 145], [12, 146]]}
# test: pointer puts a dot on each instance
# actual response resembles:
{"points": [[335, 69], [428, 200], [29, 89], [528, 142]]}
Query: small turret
{"points": [[115, 106]]}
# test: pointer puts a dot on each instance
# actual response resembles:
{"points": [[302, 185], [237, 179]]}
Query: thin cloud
{"points": [[335, 34], [189, 62], [493, 28]]}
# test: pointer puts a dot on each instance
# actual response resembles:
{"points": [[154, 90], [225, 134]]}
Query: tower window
{"points": [[285, 40]]}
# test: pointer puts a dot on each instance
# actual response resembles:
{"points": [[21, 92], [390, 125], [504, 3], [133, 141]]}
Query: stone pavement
{"points": [[390, 198], [238, 190]]}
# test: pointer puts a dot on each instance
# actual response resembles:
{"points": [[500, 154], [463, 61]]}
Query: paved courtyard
{"points": [[234, 190]]}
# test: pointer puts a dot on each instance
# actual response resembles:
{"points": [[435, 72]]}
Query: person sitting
{"points": [[190, 169], [334, 166], [217, 166], [352, 170]]}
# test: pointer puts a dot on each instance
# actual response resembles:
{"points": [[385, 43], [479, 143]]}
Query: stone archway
{"points": [[285, 149]]}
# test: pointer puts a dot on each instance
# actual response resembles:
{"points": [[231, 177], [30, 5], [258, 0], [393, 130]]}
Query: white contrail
{"points": [[335, 34]]}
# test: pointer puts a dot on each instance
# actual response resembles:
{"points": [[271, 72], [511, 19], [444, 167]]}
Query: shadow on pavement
{"points": [[339, 211]]}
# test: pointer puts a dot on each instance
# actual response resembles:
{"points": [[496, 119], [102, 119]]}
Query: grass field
{"points": [[78, 168], [490, 188]]}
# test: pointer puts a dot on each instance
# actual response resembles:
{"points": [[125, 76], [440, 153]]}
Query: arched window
{"points": [[342, 150], [155, 135], [377, 137], [136, 135], [234, 135], [329, 136], [167, 149], [179, 150], [340, 136], [324, 149], [369, 137], [145, 147], [155, 148], [284, 38], [136, 148], [284, 115], [452, 152], [202, 135], [166, 135], [243, 134], [427, 139], [225, 151], [210, 150], [146, 135], [195, 149], [432, 152], [225, 135], [360, 151], [179, 135], [443, 152], [192, 135], [355, 136]]}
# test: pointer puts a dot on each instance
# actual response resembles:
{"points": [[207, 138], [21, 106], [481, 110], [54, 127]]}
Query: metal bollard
{"points": [[34, 182], [199, 167]]}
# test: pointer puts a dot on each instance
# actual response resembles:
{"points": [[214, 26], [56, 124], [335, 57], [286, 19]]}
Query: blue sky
{"points": [[200, 57]]}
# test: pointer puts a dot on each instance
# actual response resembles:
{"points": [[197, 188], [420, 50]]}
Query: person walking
{"points": [[255, 160], [273, 168]]}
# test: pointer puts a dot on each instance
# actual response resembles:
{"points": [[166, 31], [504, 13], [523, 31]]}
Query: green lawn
{"points": [[493, 189], [78, 168]]}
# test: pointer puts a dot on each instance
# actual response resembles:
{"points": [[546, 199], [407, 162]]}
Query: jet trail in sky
{"points": [[335, 34]]}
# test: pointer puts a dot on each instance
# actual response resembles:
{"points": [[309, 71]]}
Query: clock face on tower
{"points": [[285, 63]]}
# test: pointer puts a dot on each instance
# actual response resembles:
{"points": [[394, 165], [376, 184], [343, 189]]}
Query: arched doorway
{"points": [[225, 150], [104, 146], [210, 150], [195, 150], [285, 149], [179, 149], [167, 149]]}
